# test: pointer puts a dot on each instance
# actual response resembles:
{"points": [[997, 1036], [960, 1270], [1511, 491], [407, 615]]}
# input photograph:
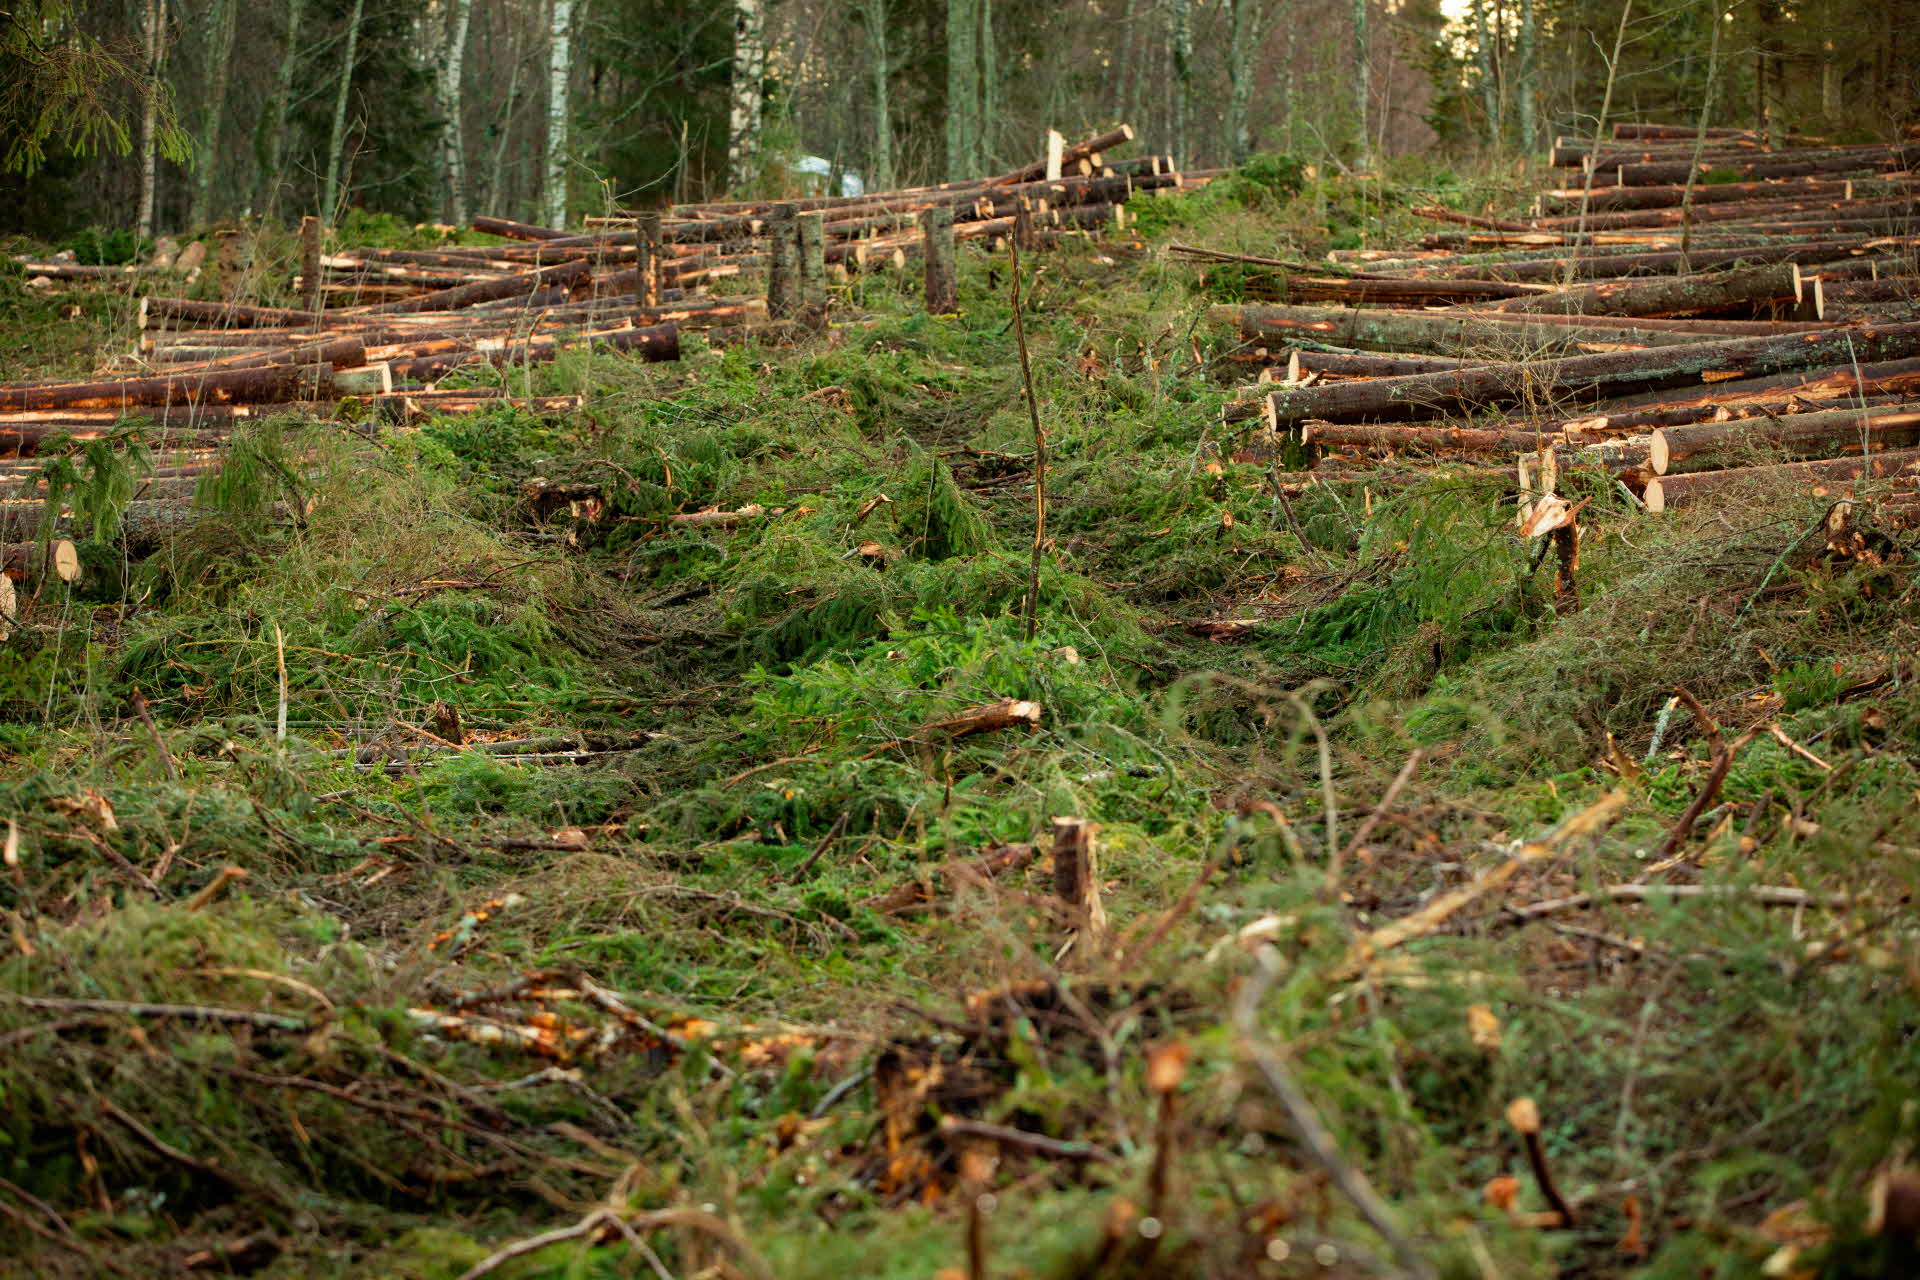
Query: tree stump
{"points": [[936, 228], [1076, 877], [783, 263]]}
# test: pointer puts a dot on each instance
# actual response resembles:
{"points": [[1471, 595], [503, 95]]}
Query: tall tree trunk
{"points": [[337, 140], [1180, 52], [963, 89], [269, 144], [156, 57], [448, 77], [495, 184], [1527, 90], [986, 152], [1483, 63], [207, 152], [749, 73], [559, 72], [1362, 81], [1242, 56], [873, 16]]}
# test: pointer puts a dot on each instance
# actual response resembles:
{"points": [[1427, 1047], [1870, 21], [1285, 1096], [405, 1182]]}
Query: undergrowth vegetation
{"points": [[402, 859]]}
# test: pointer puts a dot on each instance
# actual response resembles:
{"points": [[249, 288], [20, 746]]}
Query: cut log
{"points": [[1709, 293], [484, 291], [517, 230], [1717, 216], [1664, 493], [1825, 434], [1631, 456], [224, 315], [1004, 714], [942, 288], [1446, 333], [1840, 160], [1078, 151], [277, 384], [651, 343], [1389, 292], [1655, 197], [1359, 364], [1587, 377], [23, 560], [1076, 877]]}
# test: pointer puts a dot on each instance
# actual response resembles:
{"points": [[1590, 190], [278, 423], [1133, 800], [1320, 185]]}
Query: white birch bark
{"points": [[559, 72], [749, 73], [448, 80]]}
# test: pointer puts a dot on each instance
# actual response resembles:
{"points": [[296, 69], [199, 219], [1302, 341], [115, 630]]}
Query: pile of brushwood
{"points": [[817, 806]]}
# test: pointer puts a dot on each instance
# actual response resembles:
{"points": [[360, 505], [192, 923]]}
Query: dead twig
{"points": [[1760, 895], [626, 1226], [1307, 1122], [1400, 780], [138, 1009], [1037, 1144]]}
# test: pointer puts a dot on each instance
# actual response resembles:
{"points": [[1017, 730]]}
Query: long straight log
{"points": [[1442, 333], [1359, 364], [1784, 166], [1585, 377], [1699, 294], [1824, 434], [652, 343], [1076, 151], [1607, 199], [1396, 293], [1717, 216], [225, 315], [1586, 267], [341, 353], [1845, 379], [1664, 493], [485, 291], [253, 386], [517, 230]]}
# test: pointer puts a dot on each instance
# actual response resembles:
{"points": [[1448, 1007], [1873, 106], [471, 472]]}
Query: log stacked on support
{"points": [[1683, 344]]}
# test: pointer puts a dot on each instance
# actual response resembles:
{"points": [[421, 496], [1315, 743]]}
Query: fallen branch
{"points": [[1312, 1130], [1761, 895], [1037, 1144], [626, 1226]]}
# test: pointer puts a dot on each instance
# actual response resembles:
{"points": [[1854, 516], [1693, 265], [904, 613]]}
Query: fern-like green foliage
{"points": [[98, 484], [58, 88]]}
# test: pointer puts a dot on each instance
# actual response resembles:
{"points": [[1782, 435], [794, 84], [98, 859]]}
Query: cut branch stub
{"points": [[1076, 875]]}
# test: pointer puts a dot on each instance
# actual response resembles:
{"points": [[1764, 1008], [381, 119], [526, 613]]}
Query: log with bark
{"points": [[1794, 165], [1825, 434], [269, 385], [1446, 333], [1697, 294], [1606, 199], [1587, 378], [1664, 493]]}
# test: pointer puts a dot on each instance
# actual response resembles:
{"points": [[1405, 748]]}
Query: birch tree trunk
{"points": [[449, 75], [749, 73], [156, 52], [337, 140], [963, 89], [269, 144], [220, 29], [1180, 52], [1362, 80], [559, 72], [873, 16]]}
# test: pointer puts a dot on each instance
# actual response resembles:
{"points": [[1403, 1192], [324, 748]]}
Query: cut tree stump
{"points": [[1076, 876]]}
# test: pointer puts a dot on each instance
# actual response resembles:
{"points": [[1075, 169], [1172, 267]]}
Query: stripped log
{"points": [[1587, 377], [484, 291], [1664, 493]]}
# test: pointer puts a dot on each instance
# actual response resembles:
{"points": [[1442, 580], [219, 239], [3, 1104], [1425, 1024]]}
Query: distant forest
{"points": [[161, 115]]}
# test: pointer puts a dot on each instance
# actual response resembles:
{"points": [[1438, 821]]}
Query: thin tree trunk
{"points": [[987, 135], [337, 141], [1529, 86], [963, 90], [504, 130], [1362, 81], [1180, 52], [1600, 124], [1700, 135], [873, 15], [749, 71], [156, 51], [220, 29], [1483, 61], [270, 142], [1244, 38], [559, 71], [449, 75]]}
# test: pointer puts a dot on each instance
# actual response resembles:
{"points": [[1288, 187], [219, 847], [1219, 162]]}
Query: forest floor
{"points": [[757, 955]]}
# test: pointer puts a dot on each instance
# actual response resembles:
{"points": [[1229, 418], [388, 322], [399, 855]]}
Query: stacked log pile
{"points": [[1758, 324], [384, 327]]}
